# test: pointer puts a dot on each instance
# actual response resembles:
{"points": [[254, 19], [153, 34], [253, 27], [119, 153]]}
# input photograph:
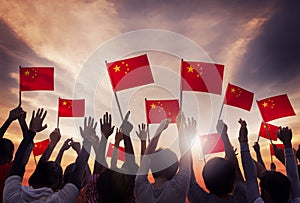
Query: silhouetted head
{"points": [[115, 186], [163, 164], [46, 174], [275, 187], [219, 176], [6, 151], [69, 169]]}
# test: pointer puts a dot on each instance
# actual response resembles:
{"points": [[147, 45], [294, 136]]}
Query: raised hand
{"points": [[142, 133], [15, 113], [187, 133], [106, 128], [55, 136], [36, 123], [243, 135], [67, 144], [285, 135], [76, 146], [221, 127], [22, 115], [126, 126], [89, 129], [119, 136], [256, 147]]}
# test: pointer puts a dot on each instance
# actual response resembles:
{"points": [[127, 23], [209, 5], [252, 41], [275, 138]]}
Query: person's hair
{"points": [[166, 160], [46, 174], [277, 185], [115, 186], [219, 175], [6, 151], [68, 171]]}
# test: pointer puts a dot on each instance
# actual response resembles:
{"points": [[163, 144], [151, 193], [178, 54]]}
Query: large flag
{"points": [[36, 78], [202, 77], [211, 143], [238, 97], [280, 146], [275, 107], [272, 131], [71, 107], [158, 110], [40, 147], [128, 73], [121, 152]]}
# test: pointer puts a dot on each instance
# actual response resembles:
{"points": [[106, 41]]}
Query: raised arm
{"points": [[248, 164], [279, 154], [142, 135], [13, 115], [256, 148], [114, 158], [64, 147], [22, 122], [285, 135], [54, 139]]}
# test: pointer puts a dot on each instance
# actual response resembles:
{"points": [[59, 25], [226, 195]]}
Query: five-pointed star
{"points": [[265, 104], [64, 103], [153, 106], [233, 90], [117, 68], [190, 69], [27, 72]]}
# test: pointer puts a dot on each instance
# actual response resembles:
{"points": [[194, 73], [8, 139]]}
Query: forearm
{"points": [[46, 155], [23, 126], [59, 156], [259, 159], [22, 155], [129, 155], [114, 158], [143, 148], [100, 151], [292, 172], [4, 127]]}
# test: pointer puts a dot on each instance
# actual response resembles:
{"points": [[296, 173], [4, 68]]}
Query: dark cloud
{"points": [[274, 56]]}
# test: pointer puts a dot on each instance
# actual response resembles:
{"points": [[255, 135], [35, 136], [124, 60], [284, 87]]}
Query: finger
{"points": [[127, 116], [32, 117], [137, 133], [109, 118], [44, 115], [85, 119], [92, 122], [101, 123], [80, 130], [112, 129], [44, 127], [106, 117], [95, 125], [139, 127], [89, 122]]}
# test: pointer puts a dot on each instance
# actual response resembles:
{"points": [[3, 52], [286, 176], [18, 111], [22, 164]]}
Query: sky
{"points": [[257, 41]]}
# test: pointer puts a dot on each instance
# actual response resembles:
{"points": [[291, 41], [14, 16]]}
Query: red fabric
{"points": [[280, 146], [36, 78], [238, 97], [272, 131], [71, 107], [211, 143], [4, 170], [121, 152], [158, 110], [129, 73], [275, 107], [40, 147], [202, 77]]}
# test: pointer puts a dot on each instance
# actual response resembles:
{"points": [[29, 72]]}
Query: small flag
{"points": [[280, 146], [238, 97], [272, 131], [121, 152], [36, 78], [275, 107], [158, 110], [71, 108], [211, 143], [202, 77], [40, 147], [129, 73]]}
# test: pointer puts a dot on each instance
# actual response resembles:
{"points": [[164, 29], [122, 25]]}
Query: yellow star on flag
{"points": [[265, 104], [117, 68], [233, 90], [27, 72], [153, 106], [64, 103], [190, 69]]}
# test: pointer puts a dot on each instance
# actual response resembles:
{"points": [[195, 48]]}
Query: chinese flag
{"points": [[280, 146], [71, 107], [36, 78], [238, 97], [211, 143], [158, 110], [202, 77], [121, 152], [272, 131], [40, 147], [275, 107], [129, 73]]}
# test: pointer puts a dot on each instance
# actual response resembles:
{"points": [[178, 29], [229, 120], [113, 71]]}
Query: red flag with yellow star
{"points": [[36, 78], [238, 97], [211, 143], [121, 152], [275, 107], [202, 77], [129, 73], [40, 147], [158, 110], [272, 131], [280, 146], [71, 107]]}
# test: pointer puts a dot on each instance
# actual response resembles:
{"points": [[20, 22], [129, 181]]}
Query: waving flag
{"points": [[202, 77], [272, 131], [71, 107], [275, 107], [211, 143], [121, 152], [158, 110], [40, 147], [36, 78], [129, 73], [280, 146], [238, 97]]}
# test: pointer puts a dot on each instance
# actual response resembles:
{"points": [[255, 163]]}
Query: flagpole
{"points": [[35, 160], [20, 98], [147, 121], [180, 95], [57, 123], [221, 111], [118, 104], [148, 133]]}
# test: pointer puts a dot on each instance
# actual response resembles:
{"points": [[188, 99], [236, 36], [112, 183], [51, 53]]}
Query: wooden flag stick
{"points": [[118, 104], [148, 133], [35, 160], [221, 111], [181, 81], [57, 123], [20, 95]]}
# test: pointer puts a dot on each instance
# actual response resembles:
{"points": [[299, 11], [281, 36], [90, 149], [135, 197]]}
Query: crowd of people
{"points": [[174, 179]]}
